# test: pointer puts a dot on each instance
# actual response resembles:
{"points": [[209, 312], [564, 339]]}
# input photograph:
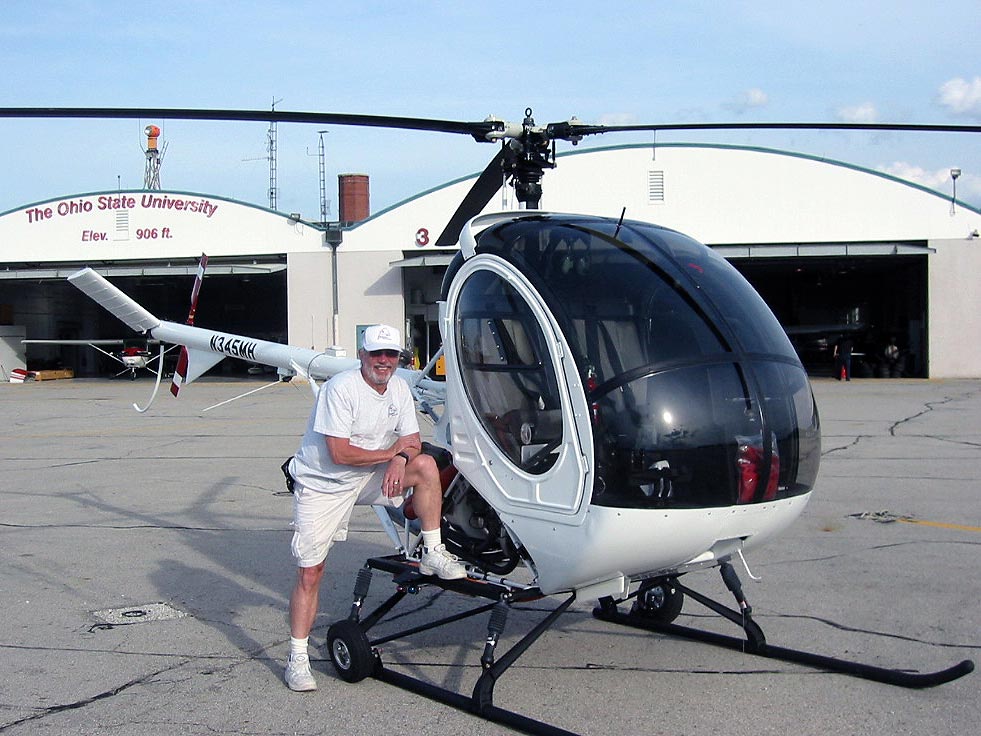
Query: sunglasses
{"points": [[386, 353]]}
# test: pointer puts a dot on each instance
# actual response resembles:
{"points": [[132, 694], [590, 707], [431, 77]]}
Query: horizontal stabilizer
{"points": [[199, 362], [113, 300], [191, 365]]}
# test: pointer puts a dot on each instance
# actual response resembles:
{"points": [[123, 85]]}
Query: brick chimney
{"points": [[353, 193]]}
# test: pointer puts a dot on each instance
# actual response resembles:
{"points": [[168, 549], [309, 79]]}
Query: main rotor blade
{"points": [[486, 186], [477, 129], [571, 130]]}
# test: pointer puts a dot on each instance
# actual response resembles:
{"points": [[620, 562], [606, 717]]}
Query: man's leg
{"points": [[316, 519], [422, 475], [304, 600], [303, 610]]}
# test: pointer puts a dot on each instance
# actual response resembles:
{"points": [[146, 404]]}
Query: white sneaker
{"points": [[437, 561], [299, 677]]}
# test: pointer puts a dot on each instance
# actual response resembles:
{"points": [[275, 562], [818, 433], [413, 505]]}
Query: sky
{"points": [[622, 62]]}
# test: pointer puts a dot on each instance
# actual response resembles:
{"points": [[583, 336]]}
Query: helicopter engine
{"points": [[473, 530], [471, 527]]}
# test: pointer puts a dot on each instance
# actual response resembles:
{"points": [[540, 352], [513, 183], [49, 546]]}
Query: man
{"points": [[361, 445], [843, 358]]}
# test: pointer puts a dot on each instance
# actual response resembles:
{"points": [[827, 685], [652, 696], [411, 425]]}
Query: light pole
{"points": [[954, 173]]}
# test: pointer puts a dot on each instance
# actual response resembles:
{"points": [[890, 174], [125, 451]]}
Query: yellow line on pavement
{"points": [[942, 525]]}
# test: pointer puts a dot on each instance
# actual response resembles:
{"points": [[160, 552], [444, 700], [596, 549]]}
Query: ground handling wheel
{"points": [[350, 652]]}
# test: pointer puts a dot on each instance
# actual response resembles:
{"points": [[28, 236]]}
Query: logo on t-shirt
{"points": [[392, 411]]}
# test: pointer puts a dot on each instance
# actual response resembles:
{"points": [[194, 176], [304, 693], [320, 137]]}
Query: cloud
{"points": [[968, 185], [748, 100], [917, 174], [962, 97], [617, 118], [866, 112]]}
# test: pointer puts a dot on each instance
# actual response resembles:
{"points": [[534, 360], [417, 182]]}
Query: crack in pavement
{"points": [[45, 712], [928, 407], [848, 446]]}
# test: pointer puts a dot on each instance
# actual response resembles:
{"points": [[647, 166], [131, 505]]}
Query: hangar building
{"points": [[833, 248]]}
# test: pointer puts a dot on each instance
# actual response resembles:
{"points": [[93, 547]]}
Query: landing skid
{"points": [[755, 642], [356, 657]]}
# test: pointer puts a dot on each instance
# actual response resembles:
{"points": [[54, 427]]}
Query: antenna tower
{"points": [[154, 158], [271, 158], [271, 148], [324, 204]]}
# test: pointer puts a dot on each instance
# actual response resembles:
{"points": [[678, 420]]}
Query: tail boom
{"points": [[206, 347], [223, 344]]}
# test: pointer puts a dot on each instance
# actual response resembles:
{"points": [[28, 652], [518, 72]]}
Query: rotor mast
{"points": [[526, 158]]}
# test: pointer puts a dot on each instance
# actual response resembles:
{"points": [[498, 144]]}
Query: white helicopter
{"points": [[620, 409]]}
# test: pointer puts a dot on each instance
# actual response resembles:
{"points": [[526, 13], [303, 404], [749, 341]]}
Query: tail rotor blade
{"points": [[196, 291], [180, 372]]}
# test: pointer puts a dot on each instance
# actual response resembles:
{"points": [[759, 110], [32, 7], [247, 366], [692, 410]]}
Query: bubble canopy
{"points": [[696, 397]]}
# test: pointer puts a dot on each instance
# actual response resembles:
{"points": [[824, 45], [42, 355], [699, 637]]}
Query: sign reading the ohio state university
{"points": [[120, 205], [68, 207], [145, 224]]}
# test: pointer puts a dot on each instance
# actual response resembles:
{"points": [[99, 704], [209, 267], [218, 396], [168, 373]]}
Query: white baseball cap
{"points": [[381, 337]]}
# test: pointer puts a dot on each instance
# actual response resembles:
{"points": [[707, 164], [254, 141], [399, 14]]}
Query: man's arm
{"points": [[344, 453]]}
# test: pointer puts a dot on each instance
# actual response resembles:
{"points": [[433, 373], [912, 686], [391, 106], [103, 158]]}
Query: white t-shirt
{"points": [[348, 407]]}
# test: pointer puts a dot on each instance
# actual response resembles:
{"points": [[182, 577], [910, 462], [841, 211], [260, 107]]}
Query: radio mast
{"points": [[154, 158], [271, 148], [271, 157], [324, 202]]}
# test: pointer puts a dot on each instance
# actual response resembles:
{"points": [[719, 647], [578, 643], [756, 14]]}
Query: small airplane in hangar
{"points": [[133, 354], [621, 410]]}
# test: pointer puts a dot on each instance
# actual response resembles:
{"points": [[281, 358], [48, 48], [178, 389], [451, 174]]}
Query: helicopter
{"points": [[620, 409]]}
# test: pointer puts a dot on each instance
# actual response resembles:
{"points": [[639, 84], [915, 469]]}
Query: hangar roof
{"points": [[719, 194], [723, 195]]}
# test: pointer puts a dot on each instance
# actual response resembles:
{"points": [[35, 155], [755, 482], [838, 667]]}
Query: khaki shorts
{"points": [[320, 519]]}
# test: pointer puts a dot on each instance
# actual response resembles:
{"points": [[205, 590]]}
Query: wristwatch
{"points": [[403, 454]]}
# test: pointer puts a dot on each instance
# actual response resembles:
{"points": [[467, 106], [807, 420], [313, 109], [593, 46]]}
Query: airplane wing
{"points": [[97, 345]]}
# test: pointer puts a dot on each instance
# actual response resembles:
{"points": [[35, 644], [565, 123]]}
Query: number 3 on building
{"points": [[422, 236]]}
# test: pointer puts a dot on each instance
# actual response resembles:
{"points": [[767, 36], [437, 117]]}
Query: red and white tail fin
{"points": [[181, 372]]}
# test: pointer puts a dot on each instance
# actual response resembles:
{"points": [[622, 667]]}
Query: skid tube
{"points": [[501, 595], [755, 642]]}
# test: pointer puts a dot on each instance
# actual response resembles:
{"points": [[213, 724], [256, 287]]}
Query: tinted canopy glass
{"points": [[695, 393], [507, 372]]}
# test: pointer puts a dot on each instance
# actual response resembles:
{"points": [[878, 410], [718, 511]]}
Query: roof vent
{"points": [[655, 187]]}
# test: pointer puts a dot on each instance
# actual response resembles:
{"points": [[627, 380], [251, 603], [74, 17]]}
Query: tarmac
{"points": [[146, 573]]}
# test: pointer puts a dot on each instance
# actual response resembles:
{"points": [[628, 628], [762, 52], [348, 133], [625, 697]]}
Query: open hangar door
{"points": [[422, 281], [241, 299], [872, 299]]}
